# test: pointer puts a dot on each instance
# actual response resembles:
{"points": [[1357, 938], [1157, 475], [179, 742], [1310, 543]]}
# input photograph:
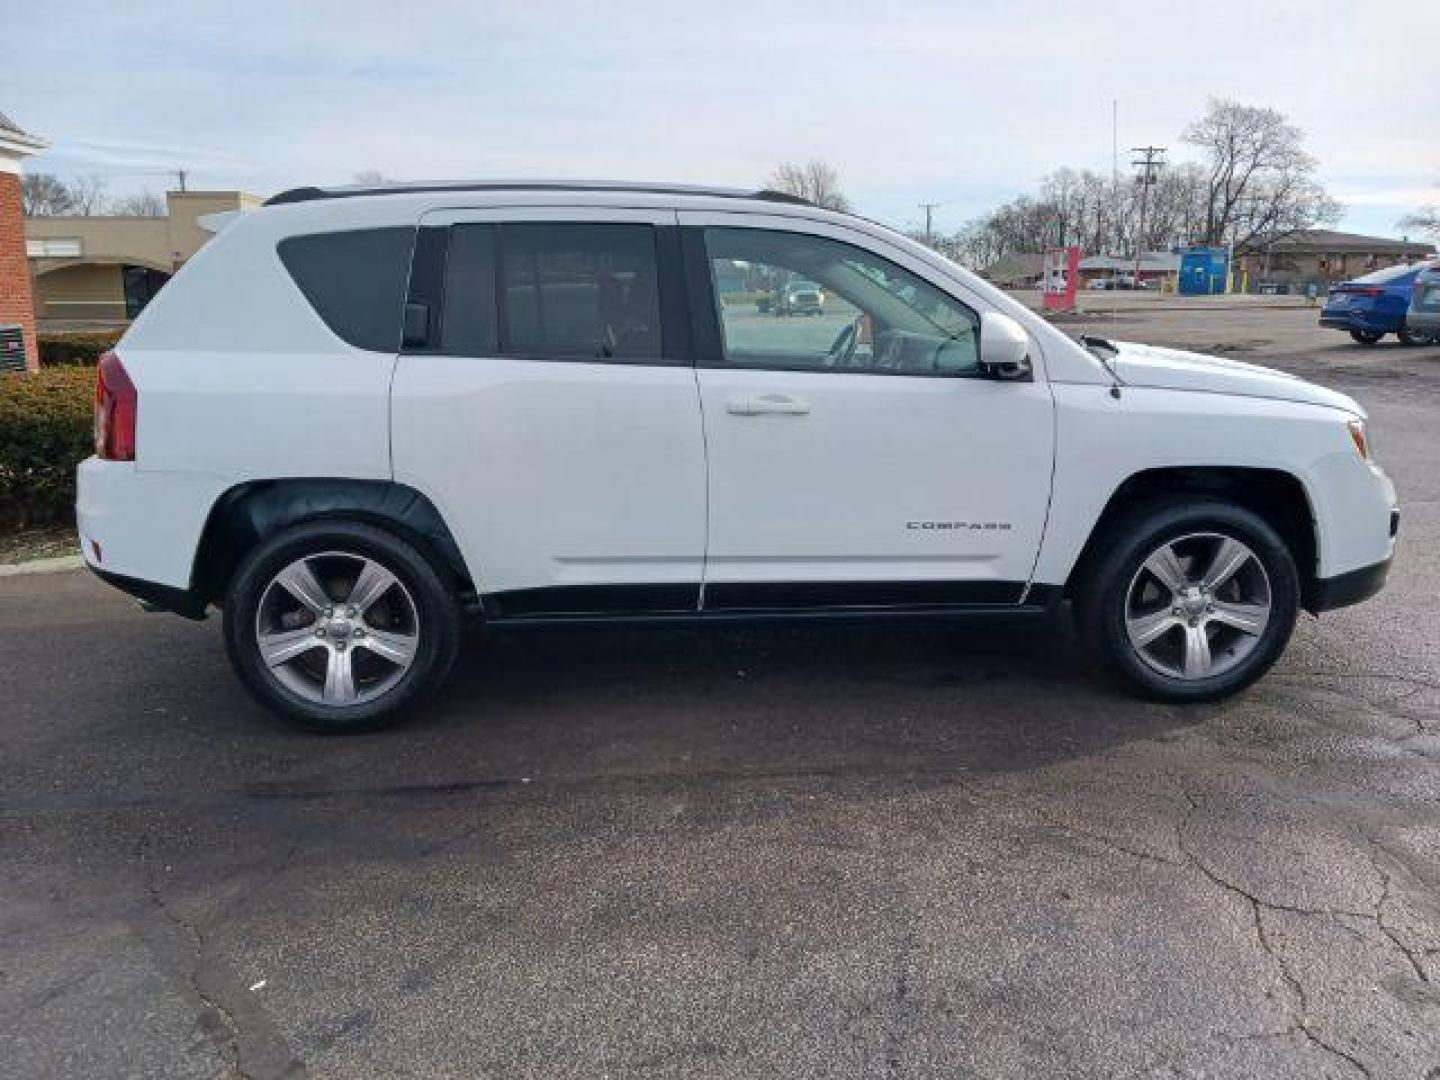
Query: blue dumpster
{"points": [[1203, 270]]}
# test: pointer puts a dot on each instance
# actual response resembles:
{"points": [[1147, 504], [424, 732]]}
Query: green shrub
{"points": [[66, 350], [46, 429]]}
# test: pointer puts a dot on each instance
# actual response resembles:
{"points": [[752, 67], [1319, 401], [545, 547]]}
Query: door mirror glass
{"points": [[1004, 346]]}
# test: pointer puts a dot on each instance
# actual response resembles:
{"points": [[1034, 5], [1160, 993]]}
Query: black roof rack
{"points": [[314, 194]]}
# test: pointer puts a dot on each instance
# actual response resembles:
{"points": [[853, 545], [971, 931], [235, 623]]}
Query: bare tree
{"points": [[1259, 179], [43, 195], [87, 195], [371, 178], [816, 181], [1425, 220], [140, 204]]}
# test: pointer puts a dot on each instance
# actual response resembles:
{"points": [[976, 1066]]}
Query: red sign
{"points": [[1062, 278]]}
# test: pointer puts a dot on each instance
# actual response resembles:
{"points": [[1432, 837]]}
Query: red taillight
{"points": [[1362, 290], [116, 404]]}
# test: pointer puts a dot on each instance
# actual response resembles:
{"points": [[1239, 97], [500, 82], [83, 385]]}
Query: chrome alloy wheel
{"points": [[1197, 606], [337, 628]]}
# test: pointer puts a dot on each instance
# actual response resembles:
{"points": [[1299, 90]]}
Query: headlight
{"points": [[1360, 437]]}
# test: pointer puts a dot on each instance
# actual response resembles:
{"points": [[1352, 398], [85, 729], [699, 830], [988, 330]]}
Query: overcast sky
{"points": [[965, 103]]}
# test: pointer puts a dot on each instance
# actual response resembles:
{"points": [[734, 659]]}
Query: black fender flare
{"points": [[247, 513]]}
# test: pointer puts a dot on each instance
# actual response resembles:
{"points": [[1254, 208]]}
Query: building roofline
{"points": [[315, 194]]}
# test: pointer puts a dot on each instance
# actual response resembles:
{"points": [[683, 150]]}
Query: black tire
{"points": [[1366, 337], [1102, 596], [437, 634], [1412, 339]]}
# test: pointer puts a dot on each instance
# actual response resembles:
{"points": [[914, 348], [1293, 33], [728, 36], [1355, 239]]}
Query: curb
{"points": [[42, 566]]}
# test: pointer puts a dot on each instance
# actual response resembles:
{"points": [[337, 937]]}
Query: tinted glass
{"points": [[800, 302], [355, 281], [470, 328], [579, 290]]}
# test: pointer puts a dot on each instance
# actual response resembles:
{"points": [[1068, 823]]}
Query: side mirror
{"points": [[1004, 346]]}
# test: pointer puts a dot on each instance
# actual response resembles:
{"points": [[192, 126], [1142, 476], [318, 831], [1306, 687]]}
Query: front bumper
{"points": [[1351, 588]]}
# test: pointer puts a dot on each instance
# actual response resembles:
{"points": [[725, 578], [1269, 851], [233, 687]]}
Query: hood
{"points": [[1175, 369]]}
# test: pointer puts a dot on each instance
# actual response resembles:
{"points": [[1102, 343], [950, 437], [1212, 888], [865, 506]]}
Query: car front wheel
{"points": [[340, 626], [1415, 337], [1191, 601]]}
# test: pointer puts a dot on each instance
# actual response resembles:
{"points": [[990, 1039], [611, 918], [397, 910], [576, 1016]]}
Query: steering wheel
{"points": [[842, 349]]}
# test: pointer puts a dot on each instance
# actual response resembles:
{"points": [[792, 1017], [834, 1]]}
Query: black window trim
{"points": [[428, 265], [428, 287], [705, 315]]}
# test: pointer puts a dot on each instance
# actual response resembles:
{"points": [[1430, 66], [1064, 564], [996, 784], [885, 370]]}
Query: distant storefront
{"points": [[95, 272]]}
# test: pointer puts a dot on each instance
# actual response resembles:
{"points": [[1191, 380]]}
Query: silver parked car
{"points": [[1423, 318]]}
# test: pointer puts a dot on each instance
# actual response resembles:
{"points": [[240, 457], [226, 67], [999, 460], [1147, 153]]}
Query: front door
{"points": [[858, 455], [546, 403]]}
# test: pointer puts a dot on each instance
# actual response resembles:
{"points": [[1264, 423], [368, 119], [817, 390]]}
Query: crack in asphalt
{"points": [[222, 995], [229, 1049], [1300, 1007], [903, 1009]]}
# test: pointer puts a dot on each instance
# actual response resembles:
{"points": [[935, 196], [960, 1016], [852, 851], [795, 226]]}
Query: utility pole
{"points": [[929, 208], [1149, 165], [180, 175], [1115, 143]]}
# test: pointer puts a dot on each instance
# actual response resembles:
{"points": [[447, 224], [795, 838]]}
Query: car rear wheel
{"points": [[1366, 337], [1416, 337], [340, 626], [1192, 601]]}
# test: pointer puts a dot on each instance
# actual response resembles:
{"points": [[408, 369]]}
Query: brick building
{"points": [[16, 306], [1323, 256]]}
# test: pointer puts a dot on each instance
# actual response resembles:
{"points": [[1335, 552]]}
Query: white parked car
{"points": [[359, 417]]}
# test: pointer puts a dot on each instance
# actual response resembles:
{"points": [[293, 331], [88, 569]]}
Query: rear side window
{"points": [[355, 281], [579, 290]]}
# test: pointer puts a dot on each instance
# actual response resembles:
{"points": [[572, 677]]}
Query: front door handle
{"points": [[767, 404]]}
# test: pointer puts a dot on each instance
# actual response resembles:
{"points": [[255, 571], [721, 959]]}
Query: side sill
{"points": [[827, 616], [154, 596]]}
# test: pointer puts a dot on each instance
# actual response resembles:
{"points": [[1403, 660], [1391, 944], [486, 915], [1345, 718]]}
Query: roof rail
{"points": [[315, 194]]}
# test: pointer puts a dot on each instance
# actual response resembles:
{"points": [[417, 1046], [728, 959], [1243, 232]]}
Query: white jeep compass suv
{"points": [[359, 416]]}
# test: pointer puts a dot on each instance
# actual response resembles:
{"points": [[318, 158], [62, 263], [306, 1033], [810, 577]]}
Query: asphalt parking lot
{"points": [[736, 854]]}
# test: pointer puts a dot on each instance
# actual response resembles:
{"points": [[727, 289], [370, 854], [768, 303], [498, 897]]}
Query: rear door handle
{"points": [[767, 404]]}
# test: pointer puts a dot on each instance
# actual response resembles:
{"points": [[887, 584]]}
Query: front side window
{"points": [[800, 302], [579, 290]]}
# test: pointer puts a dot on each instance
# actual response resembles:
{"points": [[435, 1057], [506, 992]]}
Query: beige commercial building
{"points": [[101, 271]]}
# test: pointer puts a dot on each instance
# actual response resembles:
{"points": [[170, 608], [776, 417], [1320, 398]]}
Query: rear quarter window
{"points": [[355, 281]]}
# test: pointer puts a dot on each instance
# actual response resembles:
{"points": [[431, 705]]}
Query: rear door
{"points": [[858, 458], [545, 401]]}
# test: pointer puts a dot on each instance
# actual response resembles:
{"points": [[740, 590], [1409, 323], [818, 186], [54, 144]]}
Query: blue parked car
{"points": [[1375, 305]]}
